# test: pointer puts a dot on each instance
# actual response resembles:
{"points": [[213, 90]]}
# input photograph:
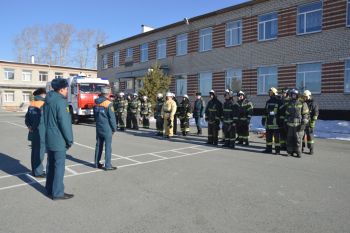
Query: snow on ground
{"points": [[330, 129]]}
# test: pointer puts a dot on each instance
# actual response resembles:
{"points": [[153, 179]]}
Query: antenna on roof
{"points": [[186, 21]]}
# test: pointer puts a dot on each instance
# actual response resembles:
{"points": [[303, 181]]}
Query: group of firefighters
{"points": [[288, 117]]}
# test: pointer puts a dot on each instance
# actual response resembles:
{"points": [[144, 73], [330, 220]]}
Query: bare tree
{"points": [[85, 38], [63, 39], [100, 38], [49, 53], [18, 48], [27, 43]]}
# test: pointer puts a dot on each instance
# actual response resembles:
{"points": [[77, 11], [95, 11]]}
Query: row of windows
{"points": [[27, 75], [9, 96], [309, 20], [308, 77]]}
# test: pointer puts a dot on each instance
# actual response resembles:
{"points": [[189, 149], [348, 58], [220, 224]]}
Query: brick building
{"points": [[251, 46], [19, 80]]}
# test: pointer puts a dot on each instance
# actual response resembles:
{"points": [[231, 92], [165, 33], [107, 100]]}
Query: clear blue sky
{"points": [[119, 19]]}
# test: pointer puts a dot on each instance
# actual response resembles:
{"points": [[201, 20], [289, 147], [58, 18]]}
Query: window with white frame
{"points": [[116, 59], [104, 61], [205, 83], [138, 84], [144, 52], [233, 33], [129, 84], [26, 96], [348, 14], [268, 26], [116, 86], [267, 78], [181, 44], [161, 49], [43, 76], [9, 74], [72, 75], [205, 39], [181, 85], [129, 53], [9, 96], [58, 75], [310, 18], [26, 75], [347, 76], [309, 77], [233, 79]]}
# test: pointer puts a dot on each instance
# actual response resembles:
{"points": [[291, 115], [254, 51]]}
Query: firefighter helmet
{"points": [[273, 90], [307, 93]]}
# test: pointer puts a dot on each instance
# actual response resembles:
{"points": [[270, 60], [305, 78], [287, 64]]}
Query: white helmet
{"points": [[185, 96], [144, 97], [169, 94], [135, 94], [159, 95], [307, 93], [173, 94], [121, 94]]}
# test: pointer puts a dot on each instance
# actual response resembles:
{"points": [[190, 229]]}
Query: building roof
{"points": [[190, 20], [46, 65]]}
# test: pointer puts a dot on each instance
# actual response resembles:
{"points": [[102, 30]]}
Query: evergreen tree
{"points": [[154, 82]]}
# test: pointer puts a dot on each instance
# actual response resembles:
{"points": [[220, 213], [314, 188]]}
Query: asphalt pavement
{"points": [[180, 185]]}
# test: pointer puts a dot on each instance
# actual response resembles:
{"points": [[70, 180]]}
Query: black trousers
{"points": [[198, 124], [213, 132], [294, 138], [145, 121], [175, 125], [309, 132], [229, 131], [243, 131], [271, 135], [159, 124]]}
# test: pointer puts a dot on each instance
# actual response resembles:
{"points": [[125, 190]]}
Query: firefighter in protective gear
{"points": [[158, 114], [244, 116], [227, 91], [296, 118], [270, 120], [134, 108], [122, 110], [213, 114], [198, 112], [105, 128], [176, 115], [34, 120], [128, 115], [313, 115], [168, 113], [283, 131], [185, 110], [115, 99], [146, 110], [229, 119]]}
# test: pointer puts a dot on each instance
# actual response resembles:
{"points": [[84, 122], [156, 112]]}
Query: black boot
{"points": [[277, 150], [232, 145], [268, 150], [311, 151], [226, 144], [199, 132], [246, 143], [183, 133]]}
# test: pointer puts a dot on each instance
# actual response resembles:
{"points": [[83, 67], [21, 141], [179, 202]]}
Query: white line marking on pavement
{"points": [[179, 152], [71, 171], [32, 177], [162, 157], [11, 123]]}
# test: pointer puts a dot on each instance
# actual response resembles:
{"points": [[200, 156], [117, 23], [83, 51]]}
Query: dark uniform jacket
{"points": [[297, 114], [121, 106], [34, 118], [184, 109], [104, 116], [230, 112], [145, 108], [158, 108], [198, 108], [213, 111], [313, 112], [58, 124], [271, 117], [245, 111], [134, 106]]}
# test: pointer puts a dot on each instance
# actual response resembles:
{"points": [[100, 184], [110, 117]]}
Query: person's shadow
{"points": [[13, 167]]}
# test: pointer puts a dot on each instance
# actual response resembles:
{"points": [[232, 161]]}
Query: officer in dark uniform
{"points": [[34, 120], [309, 129], [198, 112], [283, 132], [245, 114], [270, 120], [229, 119], [105, 128], [134, 107], [146, 110], [158, 114], [296, 118], [185, 111], [59, 137], [115, 100], [176, 115], [122, 109], [128, 115], [213, 114]]}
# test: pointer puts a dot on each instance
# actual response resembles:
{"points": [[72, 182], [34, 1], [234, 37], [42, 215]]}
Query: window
{"points": [[73, 75], [309, 77], [116, 59], [9, 96], [144, 52], [205, 83], [348, 15], [104, 62], [181, 44], [347, 76], [9, 74], [233, 80], [267, 78], [268, 26], [233, 33], [161, 49], [310, 18], [205, 39], [129, 84], [58, 75], [43, 76], [26, 97], [138, 84], [26, 75], [116, 86], [129, 53], [181, 85]]}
